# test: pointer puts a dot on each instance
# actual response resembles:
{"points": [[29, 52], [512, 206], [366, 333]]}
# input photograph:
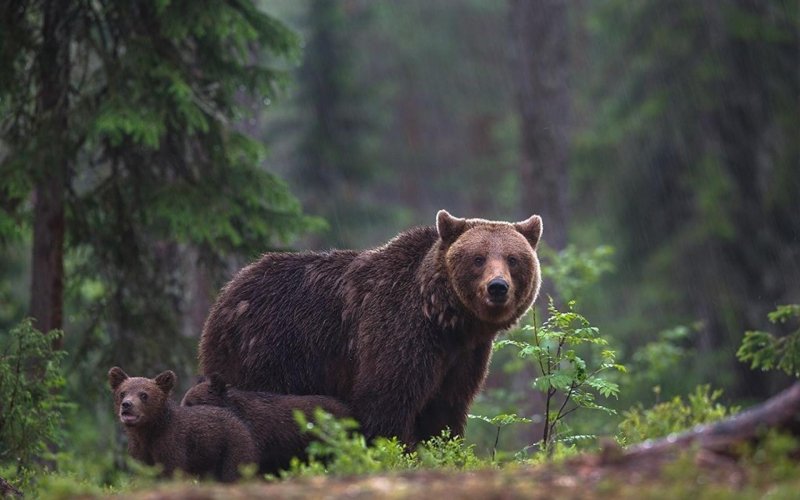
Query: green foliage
{"points": [[500, 421], [663, 366], [32, 409], [681, 141], [446, 452], [339, 450], [573, 270], [775, 456], [566, 373], [656, 360], [334, 161], [665, 418], [159, 172], [766, 351]]}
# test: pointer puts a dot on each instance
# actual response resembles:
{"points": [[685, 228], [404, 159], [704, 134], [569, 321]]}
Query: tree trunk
{"points": [[540, 42], [540, 58], [47, 282]]}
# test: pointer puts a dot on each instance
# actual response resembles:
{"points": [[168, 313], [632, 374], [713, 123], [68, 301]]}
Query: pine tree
{"points": [[694, 122], [120, 147], [335, 162]]}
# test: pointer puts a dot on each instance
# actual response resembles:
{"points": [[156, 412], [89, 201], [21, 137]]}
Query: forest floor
{"points": [[688, 476]]}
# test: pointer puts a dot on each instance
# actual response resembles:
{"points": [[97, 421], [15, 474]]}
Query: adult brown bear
{"points": [[402, 333]]}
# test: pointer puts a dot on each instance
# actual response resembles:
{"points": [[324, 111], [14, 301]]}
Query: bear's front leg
{"points": [[389, 395], [448, 408]]}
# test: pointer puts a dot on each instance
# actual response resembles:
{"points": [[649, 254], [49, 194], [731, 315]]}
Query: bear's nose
{"points": [[126, 405], [498, 288]]}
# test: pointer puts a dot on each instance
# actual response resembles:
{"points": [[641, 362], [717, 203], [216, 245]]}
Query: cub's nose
{"points": [[126, 405], [498, 288]]}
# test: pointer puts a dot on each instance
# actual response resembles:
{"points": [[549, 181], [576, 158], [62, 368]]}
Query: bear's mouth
{"points": [[128, 418], [496, 309], [497, 302]]}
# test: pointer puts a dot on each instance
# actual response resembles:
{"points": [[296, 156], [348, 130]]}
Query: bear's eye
{"points": [[512, 261], [143, 396], [479, 261], [122, 395]]}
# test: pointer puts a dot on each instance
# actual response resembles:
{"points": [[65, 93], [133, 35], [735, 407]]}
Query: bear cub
{"points": [[202, 441], [270, 417]]}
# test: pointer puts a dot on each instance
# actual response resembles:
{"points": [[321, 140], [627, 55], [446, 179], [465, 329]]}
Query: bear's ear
{"points": [[531, 229], [449, 227], [165, 381], [116, 377], [216, 383]]}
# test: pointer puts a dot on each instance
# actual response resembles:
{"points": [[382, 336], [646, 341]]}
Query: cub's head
{"points": [[140, 400], [492, 266], [209, 390]]}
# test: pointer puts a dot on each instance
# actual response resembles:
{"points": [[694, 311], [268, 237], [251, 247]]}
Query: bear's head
{"points": [[209, 390], [139, 400], [492, 266]]}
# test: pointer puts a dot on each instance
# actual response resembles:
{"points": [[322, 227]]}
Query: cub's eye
{"points": [[512, 261], [479, 261], [143, 396], [122, 395]]}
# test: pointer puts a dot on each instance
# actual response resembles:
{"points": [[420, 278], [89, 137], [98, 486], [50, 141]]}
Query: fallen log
{"points": [[781, 412], [7, 489], [716, 445]]}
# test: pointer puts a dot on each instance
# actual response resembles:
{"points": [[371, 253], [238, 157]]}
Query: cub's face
{"points": [[208, 391], [139, 400], [493, 266]]}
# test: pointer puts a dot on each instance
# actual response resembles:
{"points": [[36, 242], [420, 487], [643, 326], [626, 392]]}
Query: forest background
{"points": [[149, 151]]}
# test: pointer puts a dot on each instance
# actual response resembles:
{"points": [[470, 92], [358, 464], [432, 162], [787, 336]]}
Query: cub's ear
{"points": [[166, 381], [531, 229], [449, 227], [115, 377], [216, 383]]}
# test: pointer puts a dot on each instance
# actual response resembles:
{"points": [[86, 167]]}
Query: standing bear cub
{"points": [[269, 416], [203, 441], [401, 333]]}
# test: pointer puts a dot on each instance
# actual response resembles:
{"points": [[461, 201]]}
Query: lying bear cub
{"points": [[269, 416], [201, 440]]}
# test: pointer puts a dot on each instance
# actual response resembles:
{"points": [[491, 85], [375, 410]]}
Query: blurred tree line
{"points": [[667, 131], [149, 149]]}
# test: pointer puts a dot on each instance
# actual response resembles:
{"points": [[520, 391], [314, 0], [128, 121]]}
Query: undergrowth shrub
{"points": [[675, 415], [32, 408], [339, 449], [766, 351], [574, 366]]}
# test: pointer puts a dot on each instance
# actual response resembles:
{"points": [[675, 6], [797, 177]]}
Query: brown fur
{"points": [[401, 333], [203, 441], [270, 417]]}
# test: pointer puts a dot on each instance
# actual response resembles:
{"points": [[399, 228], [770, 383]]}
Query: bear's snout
{"points": [[129, 414], [498, 289]]}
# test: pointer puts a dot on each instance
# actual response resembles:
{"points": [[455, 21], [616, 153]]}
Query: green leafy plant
{"points": [[445, 451], [31, 406], [573, 270], [766, 351], [500, 421], [569, 379], [675, 415], [339, 449]]}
